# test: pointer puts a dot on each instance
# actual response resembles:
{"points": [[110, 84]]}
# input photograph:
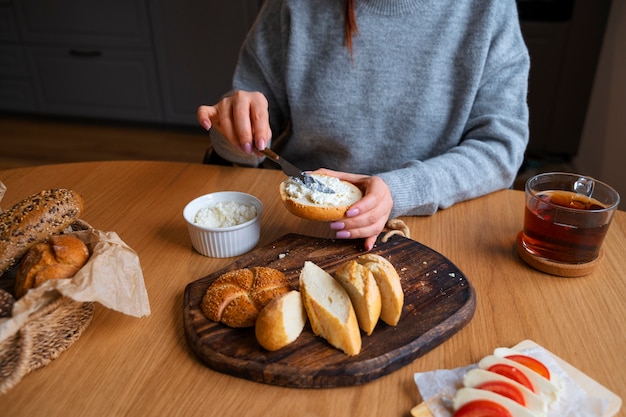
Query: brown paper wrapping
{"points": [[112, 277]]}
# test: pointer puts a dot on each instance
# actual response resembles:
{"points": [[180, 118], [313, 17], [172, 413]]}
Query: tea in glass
{"points": [[566, 217]]}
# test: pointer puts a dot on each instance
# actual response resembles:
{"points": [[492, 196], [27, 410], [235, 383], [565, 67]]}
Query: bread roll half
{"points": [[281, 321], [315, 205], [329, 309]]}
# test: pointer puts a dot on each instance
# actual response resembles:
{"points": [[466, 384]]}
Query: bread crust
{"points": [[35, 219], [311, 211], [235, 298], [62, 256]]}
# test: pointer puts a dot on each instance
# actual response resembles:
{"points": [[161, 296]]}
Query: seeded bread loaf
{"points": [[34, 220], [6, 303], [236, 297]]}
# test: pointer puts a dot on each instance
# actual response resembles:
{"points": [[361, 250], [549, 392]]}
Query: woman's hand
{"points": [[368, 216], [242, 118]]}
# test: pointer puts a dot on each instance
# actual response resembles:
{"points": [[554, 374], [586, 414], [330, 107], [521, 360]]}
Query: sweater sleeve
{"points": [[492, 148]]}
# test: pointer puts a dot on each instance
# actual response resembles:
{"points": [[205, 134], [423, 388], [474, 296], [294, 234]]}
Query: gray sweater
{"points": [[433, 99]]}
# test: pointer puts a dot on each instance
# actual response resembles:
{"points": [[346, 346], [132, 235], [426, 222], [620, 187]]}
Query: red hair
{"points": [[350, 23]]}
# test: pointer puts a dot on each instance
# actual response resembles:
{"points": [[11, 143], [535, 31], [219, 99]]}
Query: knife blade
{"points": [[292, 171]]}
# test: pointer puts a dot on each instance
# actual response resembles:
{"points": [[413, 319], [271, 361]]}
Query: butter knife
{"points": [[292, 171]]}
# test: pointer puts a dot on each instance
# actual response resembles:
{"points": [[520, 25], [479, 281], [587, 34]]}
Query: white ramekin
{"points": [[223, 242]]}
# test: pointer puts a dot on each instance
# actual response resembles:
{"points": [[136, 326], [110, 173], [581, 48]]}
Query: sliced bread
{"points": [[389, 286], [360, 285], [281, 321], [329, 309]]}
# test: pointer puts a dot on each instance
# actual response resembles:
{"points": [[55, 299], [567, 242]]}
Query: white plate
{"points": [[591, 387]]}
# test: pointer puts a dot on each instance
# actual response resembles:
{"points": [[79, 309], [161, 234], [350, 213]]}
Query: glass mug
{"points": [[566, 217]]}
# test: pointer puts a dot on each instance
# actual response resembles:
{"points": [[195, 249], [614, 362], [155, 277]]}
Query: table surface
{"points": [[128, 366]]}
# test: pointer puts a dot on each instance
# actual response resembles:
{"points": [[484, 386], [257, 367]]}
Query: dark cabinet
{"points": [[137, 60], [564, 38]]}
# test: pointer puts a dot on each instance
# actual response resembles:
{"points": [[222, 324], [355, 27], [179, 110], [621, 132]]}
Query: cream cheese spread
{"points": [[225, 214], [342, 196]]}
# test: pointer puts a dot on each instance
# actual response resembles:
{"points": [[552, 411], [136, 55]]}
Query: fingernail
{"points": [[247, 148], [343, 234], [206, 125], [337, 225], [261, 144], [352, 212]]}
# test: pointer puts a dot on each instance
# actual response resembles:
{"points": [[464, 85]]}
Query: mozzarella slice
{"points": [[543, 387], [476, 377], [466, 395]]}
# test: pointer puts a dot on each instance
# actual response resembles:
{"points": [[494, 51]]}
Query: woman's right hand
{"points": [[242, 118]]}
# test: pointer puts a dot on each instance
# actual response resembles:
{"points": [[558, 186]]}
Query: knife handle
{"points": [[270, 154]]}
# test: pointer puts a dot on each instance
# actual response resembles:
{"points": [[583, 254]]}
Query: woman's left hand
{"points": [[367, 217]]}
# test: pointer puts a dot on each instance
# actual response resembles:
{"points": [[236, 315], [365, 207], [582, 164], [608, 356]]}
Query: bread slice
{"points": [[315, 205], [281, 321], [421, 410], [329, 309], [360, 285], [389, 285]]}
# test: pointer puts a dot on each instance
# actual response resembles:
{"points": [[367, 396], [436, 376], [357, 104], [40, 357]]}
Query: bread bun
{"points": [[35, 219], [360, 285], [389, 285], [281, 321], [61, 256], [315, 205], [236, 297], [329, 309]]}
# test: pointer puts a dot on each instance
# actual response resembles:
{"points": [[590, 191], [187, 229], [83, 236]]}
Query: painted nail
{"points": [[337, 226], [206, 125], [247, 148], [352, 212], [343, 234]]}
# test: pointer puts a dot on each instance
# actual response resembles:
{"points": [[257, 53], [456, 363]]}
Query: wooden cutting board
{"points": [[439, 301]]}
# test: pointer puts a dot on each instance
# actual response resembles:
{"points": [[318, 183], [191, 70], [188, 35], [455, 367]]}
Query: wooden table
{"points": [[126, 366]]}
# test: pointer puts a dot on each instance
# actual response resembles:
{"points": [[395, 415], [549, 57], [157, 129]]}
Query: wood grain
{"points": [[439, 301]]}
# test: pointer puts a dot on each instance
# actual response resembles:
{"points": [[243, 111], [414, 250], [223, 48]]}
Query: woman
{"points": [[421, 103]]}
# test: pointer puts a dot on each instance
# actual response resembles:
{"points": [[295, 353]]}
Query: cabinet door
{"points": [[122, 23], [8, 29], [197, 43], [103, 83], [16, 92]]}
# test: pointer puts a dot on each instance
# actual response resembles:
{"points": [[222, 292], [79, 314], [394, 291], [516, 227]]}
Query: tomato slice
{"points": [[512, 373], [482, 408], [506, 390], [531, 363]]}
